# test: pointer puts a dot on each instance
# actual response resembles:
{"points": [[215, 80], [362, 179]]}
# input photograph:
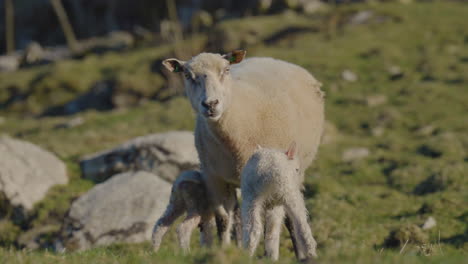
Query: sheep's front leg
{"points": [[173, 211], [273, 221], [184, 231], [251, 223], [295, 208]]}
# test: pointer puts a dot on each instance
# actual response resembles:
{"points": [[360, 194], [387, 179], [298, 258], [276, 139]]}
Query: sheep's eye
{"points": [[297, 170], [227, 70]]}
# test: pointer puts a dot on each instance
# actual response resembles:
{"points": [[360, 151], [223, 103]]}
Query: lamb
{"points": [[241, 103], [270, 185], [188, 195]]}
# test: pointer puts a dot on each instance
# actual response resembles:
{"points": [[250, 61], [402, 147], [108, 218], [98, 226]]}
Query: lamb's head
{"points": [[272, 161], [207, 81]]}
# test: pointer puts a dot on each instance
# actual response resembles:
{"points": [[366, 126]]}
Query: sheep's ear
{"points": [[291, 152], [258, 147], [174, 65], [235, 56]]}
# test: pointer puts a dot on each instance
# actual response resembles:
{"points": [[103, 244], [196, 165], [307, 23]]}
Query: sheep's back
{"points": [[284, 103]]}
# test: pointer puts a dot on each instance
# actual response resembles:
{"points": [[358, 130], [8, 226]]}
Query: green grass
{"points": [[417, 139]]}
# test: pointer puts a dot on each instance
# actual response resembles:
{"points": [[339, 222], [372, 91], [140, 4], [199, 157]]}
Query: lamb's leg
{"points": [[223, 203], [273, 221], [206, 231], [251, 223], [173, 211], [295, 208], [289, 225], [238, 225], [184, 230]]}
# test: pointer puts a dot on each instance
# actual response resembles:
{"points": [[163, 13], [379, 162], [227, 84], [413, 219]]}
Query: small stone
{"points": [[375, 100], [429, 223], [353, 154], [33, 53], [264, 5], [349, 76], [310, 7], [74, 122], [361, 17], [9, 63], [406, 1], [395, 72], [378, 131], [426, 130], [201, 20]]}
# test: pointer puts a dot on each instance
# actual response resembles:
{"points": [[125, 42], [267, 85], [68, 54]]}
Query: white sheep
{"points": [[241, 103], [270, 186], [189, 196]]}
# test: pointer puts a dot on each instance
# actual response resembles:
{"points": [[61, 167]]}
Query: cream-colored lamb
{"points": [[270, 185], [189, 196], [241, 103]]}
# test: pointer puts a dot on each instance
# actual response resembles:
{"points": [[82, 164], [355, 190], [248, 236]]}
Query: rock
{"points": [[99, 97], [395, 73], [114, 41], [310, 7], [361, 17], [353, 154], [26, 173], [165, 154], [35, 238], [375, 100], [378, 131], [291, 4], [264, 5], [202, 20], [120, 210], [9, 63], [406, 1], [349, 76], [33, 53], [426, 130], [74, 122], [429, 223]]}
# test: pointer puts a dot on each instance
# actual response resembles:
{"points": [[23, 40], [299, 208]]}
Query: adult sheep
{"points": [[244, 103]]}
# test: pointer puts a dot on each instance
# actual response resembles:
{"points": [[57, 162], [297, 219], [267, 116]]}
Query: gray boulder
{"points": [[120, 210], [165, 154], [9, 63], [27, 172]]}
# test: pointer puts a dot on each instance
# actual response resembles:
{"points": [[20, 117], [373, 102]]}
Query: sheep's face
{"points": [[207, 81]]}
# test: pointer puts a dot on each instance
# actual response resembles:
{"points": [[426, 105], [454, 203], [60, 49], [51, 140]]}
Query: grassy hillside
{"points": [[406, 107]]}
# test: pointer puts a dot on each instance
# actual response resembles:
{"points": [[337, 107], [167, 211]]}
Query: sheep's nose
{"points": [[210, 104]]}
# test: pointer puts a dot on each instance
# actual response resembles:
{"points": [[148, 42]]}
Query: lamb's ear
{"points": [[235, 56], [291, 152], [258, 147], [174, 65]]}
